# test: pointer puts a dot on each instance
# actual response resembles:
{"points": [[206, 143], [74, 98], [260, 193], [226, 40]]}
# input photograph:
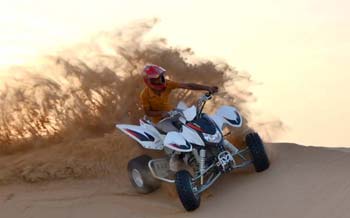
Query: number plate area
{"points": [[224, 160]]}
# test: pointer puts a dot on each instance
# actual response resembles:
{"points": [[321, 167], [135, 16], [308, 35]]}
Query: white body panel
{"points": [[150, 138], [192, 136], [190, 113], [227, 115], [176, 141], [181, 106], [146, 135]]}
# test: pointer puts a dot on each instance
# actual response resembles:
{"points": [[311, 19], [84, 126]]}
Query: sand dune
{"points": [[61, 156], [301, 182]]}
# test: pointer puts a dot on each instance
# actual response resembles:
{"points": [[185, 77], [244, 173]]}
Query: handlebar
{"points": [[208, 93], [201, 102], [207, 96]]}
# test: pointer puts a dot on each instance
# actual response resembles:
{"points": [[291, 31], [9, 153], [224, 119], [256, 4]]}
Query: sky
{"points": [[297, 51]]}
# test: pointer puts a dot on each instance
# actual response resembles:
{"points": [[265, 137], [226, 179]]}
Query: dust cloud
{"points": [[58, 116]]}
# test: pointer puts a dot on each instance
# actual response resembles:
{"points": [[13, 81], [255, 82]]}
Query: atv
{"points": [[196, 153]]}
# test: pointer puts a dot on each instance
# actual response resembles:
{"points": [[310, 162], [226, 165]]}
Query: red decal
{"points": [[132, 133], [175, 145], [194, 127]]}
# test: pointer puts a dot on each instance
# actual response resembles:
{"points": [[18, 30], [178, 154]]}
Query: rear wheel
{"points": [[189, 199], [140, 176], [256, 146]]}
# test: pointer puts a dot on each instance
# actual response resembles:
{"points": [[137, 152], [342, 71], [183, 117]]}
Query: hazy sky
{"points": [[298, 50]]}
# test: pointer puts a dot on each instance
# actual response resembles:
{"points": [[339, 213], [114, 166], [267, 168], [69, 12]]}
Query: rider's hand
{"points": [[213, 89]]}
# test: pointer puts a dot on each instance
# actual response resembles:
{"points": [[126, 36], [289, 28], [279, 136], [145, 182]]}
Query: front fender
{"points": [[227, 115], [175, 141]]}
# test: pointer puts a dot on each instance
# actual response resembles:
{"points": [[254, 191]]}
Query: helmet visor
{"points": [[158, 81]]}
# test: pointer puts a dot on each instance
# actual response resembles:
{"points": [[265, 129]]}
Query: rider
{"points": [[155, 96]]}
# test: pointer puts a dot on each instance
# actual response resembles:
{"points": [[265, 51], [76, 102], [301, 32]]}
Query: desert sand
{"points": [[301, 182]]}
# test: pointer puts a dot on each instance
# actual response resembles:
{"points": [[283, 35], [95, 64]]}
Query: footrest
{"points": [[160, 169]]}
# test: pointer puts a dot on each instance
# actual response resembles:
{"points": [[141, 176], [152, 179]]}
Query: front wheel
{"points": [[189, 199], [257, 151], [140, 176]]}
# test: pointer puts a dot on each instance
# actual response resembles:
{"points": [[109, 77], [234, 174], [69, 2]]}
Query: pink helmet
{"points": [[153, 76]]}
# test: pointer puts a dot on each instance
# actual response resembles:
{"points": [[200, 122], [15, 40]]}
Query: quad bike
{"points": [[198, 144]]}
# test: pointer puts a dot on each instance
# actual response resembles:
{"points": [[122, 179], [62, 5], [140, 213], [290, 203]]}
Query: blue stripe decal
{"points": [[237, 121]]}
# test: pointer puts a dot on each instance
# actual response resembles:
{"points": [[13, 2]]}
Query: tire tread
{"points": [[185, 192], [256, 146]]}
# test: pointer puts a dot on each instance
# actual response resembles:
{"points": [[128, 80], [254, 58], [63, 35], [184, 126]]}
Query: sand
{"points": [[301, 182]]}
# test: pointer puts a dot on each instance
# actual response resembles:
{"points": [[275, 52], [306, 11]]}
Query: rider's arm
{"points": [[194, 86]]}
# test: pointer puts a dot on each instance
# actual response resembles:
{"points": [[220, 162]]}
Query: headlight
{"points": [[215, 138]]}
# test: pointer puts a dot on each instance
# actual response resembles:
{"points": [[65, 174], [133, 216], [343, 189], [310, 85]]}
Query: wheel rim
{"points": [[136, 176]]}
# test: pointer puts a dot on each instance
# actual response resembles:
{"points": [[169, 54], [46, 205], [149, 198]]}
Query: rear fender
{"points": [[146, 138], [227, 115]]}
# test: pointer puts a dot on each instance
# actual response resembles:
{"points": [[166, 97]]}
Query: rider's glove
{"points": [[213, 89]]}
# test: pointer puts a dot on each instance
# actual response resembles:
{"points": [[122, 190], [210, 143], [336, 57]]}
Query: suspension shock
{"points": [[202, 154], [230, 147]]}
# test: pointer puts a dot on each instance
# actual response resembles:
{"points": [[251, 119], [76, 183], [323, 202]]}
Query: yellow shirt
{"points": [[150, 100]]}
